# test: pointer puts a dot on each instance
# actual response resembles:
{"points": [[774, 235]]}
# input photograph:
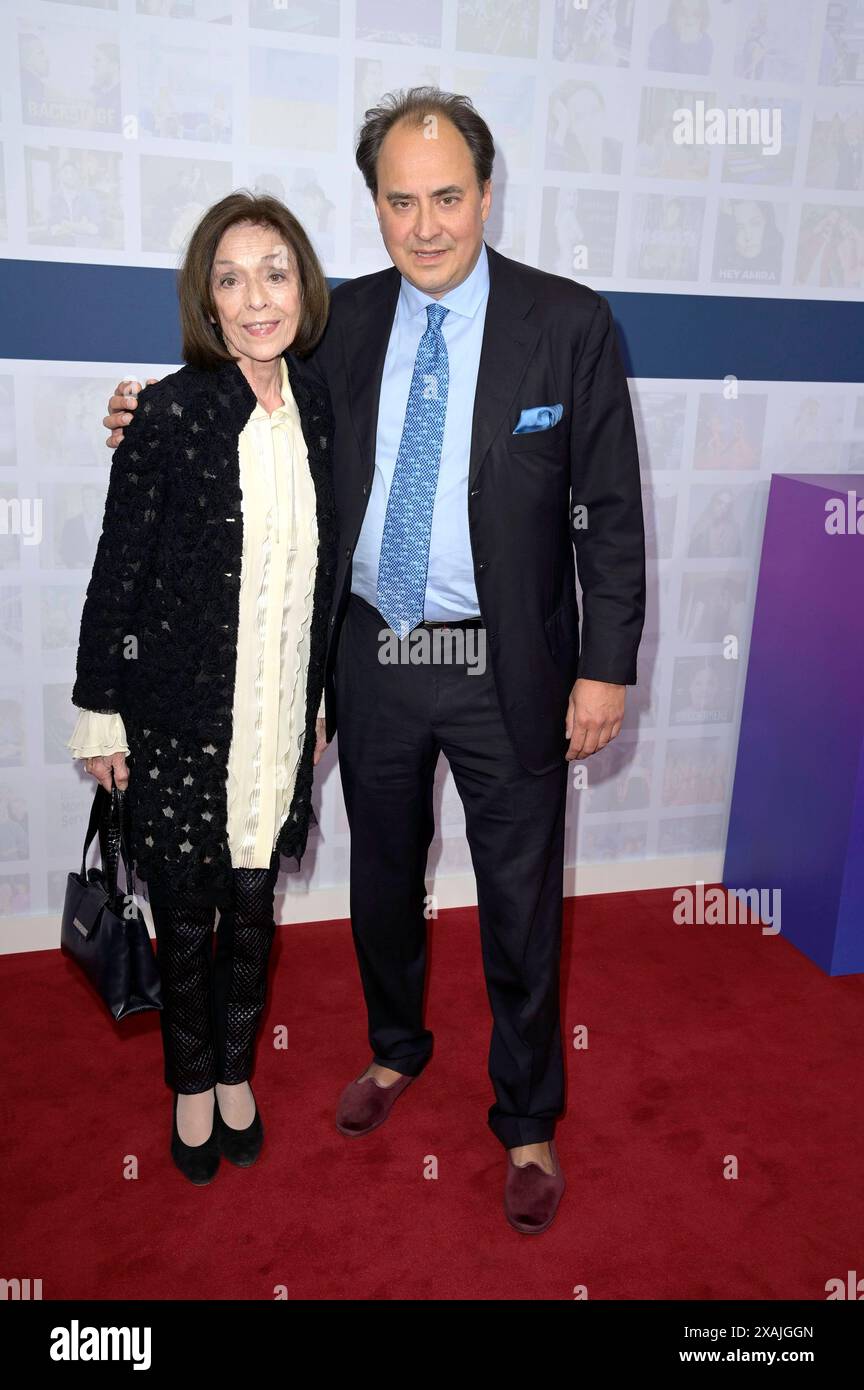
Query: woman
{"points": [[202, 647]]}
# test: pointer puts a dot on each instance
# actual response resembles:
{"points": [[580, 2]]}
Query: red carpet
{"points": [[703, 1042]]}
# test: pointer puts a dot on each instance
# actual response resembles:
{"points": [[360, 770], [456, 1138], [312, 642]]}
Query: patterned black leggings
{"points": [[212, 1003]]}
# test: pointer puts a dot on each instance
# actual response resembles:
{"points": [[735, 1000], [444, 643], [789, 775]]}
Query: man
{"points": [[483, 426]]}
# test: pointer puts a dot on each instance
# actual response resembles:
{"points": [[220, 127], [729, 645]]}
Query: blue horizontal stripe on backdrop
{"points": [[67, 312]]}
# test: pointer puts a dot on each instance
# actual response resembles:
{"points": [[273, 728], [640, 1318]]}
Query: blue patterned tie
{"points": [[408, 519]]}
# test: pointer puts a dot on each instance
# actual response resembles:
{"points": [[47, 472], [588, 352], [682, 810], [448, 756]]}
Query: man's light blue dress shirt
{"points": [[450, 589]]}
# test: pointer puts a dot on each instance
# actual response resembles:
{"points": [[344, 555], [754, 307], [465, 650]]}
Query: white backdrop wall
{"points": [[121, 120]]}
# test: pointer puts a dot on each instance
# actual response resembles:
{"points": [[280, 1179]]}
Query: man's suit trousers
{"points": [[394, 720]]}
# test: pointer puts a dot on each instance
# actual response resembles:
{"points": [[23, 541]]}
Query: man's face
{"points": [[104, 71], [430, 208], [35, 56], [70, 177]]}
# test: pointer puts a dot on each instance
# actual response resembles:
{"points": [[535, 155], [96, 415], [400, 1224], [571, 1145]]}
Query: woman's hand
{"points": [[100, 768], [320, 740]]}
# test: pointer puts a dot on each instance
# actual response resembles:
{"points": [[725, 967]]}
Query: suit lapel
{"points": [[508, 345], [366, 337]]}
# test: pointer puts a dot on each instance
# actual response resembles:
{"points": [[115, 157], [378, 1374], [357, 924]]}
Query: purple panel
{"points": [[797, 794], [850, 927]]}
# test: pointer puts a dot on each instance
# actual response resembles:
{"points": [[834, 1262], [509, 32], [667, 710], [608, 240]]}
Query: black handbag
{"points": [[102, 930]]}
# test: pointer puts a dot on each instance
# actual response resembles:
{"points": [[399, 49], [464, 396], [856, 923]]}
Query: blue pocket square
{"points": [[539, 417]]}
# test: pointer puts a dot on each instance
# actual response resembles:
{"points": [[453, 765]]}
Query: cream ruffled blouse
{"points": [[277, 579]]}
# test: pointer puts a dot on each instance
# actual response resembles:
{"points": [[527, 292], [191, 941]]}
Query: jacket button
{"points": [[482, 565], [474, 491], [365, 488], [348, 552]]}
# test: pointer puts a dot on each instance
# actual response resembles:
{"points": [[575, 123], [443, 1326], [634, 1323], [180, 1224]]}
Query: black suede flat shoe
{"points": [[197, 1162], [240, 1146]]}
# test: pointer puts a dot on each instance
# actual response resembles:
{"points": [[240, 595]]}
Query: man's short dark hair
{"points": [[415, 107]]}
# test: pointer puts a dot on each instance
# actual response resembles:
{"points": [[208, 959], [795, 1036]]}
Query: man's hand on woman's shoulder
{"points": [[120, 407]]}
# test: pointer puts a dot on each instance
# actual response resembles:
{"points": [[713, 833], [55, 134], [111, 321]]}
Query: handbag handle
{"points": [[107, 818], [118, 800]]}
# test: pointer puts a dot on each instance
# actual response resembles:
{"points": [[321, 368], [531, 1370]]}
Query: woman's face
{"points": [[256, 292], [702, 688], [750, 222], [688, 20]]}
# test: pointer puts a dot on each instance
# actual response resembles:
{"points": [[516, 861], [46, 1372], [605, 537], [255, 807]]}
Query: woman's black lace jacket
{"points": [[158, 641]]}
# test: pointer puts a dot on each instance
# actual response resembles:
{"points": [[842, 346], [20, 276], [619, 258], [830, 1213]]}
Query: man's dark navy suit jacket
{"points": [[531, 498]]}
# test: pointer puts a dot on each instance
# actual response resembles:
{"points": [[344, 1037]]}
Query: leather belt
{"points": [[454, 623]]}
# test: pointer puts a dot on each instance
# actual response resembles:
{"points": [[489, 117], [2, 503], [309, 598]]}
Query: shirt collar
{"points": [[464, 298]]}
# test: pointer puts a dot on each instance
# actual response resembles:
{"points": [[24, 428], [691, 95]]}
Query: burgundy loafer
{"points": [[531, 1195], [364, 1104]]}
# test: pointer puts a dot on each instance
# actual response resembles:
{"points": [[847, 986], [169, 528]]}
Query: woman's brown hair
{"points": [[203, 344]]}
